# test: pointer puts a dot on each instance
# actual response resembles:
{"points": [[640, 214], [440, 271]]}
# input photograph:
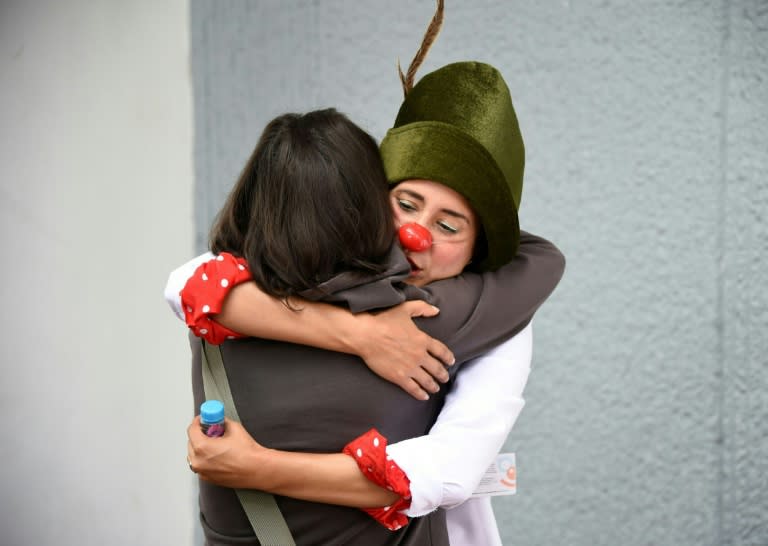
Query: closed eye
{"points": [[406, 205], [447, 227]]}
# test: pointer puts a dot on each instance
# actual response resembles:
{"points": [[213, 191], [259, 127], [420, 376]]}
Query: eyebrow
{"points": [[449, 212]]}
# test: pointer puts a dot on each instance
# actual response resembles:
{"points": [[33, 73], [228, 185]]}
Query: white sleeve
{"points": [[178, 278], [473, 522], [446, 465]]}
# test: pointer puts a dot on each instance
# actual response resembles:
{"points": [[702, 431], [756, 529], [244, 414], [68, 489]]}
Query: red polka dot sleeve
{"points": [[370, 453], [204, 294]]}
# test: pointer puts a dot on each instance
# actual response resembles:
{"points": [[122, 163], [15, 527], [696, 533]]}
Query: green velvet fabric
{"points": [[457, 126]]}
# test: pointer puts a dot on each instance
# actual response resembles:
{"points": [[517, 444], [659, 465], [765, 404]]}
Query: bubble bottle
{"points": [[212, 418]]}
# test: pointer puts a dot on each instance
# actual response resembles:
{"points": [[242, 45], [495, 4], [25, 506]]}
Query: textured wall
{"points": [[743, 275], [644, 124]]}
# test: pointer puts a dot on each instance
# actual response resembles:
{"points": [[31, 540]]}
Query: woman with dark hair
{"points": [[461, 185], [311, 202]]}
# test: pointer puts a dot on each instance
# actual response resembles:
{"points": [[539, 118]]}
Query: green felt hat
{"points": [[457, 126]]}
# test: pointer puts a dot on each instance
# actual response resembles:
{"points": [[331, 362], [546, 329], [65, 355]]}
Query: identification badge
{"points": [[500, 478]]}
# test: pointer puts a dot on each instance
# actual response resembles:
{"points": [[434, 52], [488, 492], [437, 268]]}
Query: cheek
{"points": [[397, 216], [450, 260]]}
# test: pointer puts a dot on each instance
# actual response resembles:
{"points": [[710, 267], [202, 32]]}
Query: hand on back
{"points": [[394, 348]]}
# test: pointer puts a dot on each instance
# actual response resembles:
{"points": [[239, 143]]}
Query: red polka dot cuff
{"points": [[205, 292], [370, 453]]}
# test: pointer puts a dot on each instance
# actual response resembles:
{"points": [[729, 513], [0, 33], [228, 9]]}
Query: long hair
{"points": [[311, 202]]}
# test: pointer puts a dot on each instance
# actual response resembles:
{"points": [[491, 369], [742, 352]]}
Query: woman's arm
{"points": [[237, 460], [478, 414], [178, 278], [389, 342]]}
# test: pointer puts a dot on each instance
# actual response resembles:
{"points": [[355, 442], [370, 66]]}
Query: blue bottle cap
{"points": [[211, 411]]}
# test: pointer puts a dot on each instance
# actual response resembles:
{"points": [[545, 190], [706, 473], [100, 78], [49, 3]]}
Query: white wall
{"points": [[95, 207]]}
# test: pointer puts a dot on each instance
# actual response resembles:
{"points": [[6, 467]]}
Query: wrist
{"points": [[352, 333], [262, 470]]}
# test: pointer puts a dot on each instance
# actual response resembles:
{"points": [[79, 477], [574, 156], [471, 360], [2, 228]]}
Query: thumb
{"points": [[194, 432], [421, 309]]}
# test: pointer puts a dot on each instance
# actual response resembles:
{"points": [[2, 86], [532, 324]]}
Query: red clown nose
{"points": [[414, 237]]}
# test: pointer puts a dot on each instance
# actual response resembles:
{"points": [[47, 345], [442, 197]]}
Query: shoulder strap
{"points": [[260, 507]]}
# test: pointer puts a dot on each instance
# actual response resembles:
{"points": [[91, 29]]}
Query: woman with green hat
{"points": [[463, 148]]}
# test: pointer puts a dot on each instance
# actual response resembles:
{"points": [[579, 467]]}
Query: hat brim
{"points": [[432, 150]]}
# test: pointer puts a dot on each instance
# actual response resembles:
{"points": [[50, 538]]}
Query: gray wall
{"points": [[645, 130]]}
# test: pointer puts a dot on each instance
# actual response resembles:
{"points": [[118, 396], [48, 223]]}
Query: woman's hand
{"points": [[230, 460], [395, 349], [237, 460]]}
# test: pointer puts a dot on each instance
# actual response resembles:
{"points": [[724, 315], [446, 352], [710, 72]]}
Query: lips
{"points": [[415, 269]]}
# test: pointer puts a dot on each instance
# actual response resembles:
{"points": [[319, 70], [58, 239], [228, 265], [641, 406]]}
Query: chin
{"points": [[415, 280], [420, 281]]}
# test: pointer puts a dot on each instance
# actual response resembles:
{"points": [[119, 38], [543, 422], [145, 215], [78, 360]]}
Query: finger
{"points": [[420, 308], [194, 432], [441, 352], [232, 427], [413, 388], [191, 457], [194, 424], [436, 369], [425, 380]]}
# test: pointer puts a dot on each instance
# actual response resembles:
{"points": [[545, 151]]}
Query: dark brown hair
{"points": [[311, 202]]}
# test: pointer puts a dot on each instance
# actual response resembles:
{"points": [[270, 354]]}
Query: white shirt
{"points": [[446, 465]]}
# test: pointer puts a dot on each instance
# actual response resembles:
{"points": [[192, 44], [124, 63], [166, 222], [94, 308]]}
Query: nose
{"points": [[414, 237]]}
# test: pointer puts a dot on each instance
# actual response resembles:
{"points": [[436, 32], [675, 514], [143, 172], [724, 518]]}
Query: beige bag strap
{"points": [[261, 508]]}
